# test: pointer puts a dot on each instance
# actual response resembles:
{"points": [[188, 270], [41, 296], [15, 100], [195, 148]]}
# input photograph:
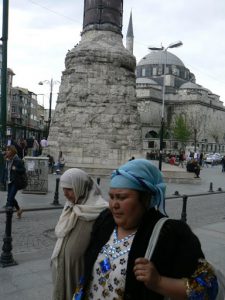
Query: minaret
{"points": [[130, 36], [96, 123]]}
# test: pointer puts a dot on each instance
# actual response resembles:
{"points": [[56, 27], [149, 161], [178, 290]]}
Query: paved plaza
{"points": [[33, 235]]}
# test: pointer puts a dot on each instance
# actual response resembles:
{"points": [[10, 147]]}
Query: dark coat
{"points": [[176, 254], [19, 168]]}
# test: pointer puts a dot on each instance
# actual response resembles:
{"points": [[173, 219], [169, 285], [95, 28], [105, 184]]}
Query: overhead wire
{"points": [[53, 11]]}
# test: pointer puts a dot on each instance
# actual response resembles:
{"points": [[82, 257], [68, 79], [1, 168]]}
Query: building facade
{"points": [[27, 116], [201, 109]]}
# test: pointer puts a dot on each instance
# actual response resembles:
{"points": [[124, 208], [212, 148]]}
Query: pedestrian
{"points": [[115, 267], [43, 145], [83, 205], [181, 159], [30, 142], [35, 147], [204, 163], [60, 163], [196, 168], [44, 142], [23, 144], [223, 163], [51, 163], [14, 167]]}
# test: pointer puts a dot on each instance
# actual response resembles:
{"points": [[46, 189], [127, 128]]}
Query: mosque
{"points": [[110, 109], [200, 108]]}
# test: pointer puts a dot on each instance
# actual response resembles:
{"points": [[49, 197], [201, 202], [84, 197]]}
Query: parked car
{"points": [[214, 158]]}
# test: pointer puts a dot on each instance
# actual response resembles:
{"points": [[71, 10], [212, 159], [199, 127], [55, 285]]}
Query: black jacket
{"points": [[176, 253], [19, 168]]}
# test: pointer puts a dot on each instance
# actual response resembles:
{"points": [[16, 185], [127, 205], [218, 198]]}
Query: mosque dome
{"points": [[159, 58], [158, 62]]}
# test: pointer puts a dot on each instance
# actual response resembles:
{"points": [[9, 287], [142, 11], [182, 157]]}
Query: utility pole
{"points": [[3, 106], [4, 69]]}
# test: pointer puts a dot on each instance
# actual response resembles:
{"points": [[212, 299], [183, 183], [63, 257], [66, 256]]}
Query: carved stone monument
{"points": [[96, 123]]}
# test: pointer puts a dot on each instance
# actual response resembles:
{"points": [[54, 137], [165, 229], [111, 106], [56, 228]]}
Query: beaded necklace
{"points": [[112, 252]]}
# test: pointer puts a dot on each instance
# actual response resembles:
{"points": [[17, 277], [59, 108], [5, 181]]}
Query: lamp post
{"points": [[51, 83], [172, 45], [4, 90]]}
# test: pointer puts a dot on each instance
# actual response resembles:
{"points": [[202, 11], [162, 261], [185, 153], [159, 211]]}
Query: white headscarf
{"points": [[89, 204]]}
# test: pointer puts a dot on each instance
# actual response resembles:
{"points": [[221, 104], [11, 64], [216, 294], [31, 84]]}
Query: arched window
{"points": [[151, 134]]}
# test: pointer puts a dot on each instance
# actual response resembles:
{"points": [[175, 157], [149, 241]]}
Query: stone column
{"points": [[96, 122]]}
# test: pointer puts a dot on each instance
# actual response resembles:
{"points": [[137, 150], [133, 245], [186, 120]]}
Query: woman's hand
{"points": [[146, 272]]}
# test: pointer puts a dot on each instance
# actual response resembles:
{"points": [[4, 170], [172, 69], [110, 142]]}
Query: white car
{"points": [[214, 158]]}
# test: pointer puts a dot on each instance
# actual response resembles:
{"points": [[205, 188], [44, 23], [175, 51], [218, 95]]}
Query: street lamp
{"points": [[51, 83], [172, 45]]}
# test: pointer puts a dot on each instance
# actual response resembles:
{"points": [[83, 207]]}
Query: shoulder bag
{"points": [[151, 247]]}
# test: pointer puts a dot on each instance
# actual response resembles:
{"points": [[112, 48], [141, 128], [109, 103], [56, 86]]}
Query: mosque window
{"points": [[151, 134], [160, 70], [151, 144], [174, 70], [154, 71], [143, 72]]}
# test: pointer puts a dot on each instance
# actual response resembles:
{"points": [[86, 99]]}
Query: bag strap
{"points": [[154, 238]]}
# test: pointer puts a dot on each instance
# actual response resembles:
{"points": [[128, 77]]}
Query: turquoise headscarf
{"points": [[141, 175]]}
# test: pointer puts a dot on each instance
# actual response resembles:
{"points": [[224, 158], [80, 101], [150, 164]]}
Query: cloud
{"points": [[42, 31]]}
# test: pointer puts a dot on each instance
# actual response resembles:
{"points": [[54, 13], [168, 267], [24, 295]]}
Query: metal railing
{"points": [[6, 258]]}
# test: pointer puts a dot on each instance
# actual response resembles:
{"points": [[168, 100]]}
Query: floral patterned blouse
{"points": [[109, 272]]}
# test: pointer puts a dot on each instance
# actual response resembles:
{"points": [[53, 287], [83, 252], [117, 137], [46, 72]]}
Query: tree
{"points": [[181, 131], [197, 123]]}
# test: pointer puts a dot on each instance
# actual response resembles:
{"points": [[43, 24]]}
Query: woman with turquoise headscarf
{"points": [[115, 263]]}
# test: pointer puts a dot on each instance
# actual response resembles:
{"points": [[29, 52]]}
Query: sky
{"points": [[40, 33]]}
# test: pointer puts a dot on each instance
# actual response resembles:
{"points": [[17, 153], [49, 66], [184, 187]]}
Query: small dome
{"points": [[145, 80], [160, 57], [191, 85]]}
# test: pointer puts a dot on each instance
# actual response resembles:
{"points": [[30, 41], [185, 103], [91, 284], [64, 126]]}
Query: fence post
{"points": [[56, 196], [6, 259], [184, 209], [176, 193], [211, 187]]}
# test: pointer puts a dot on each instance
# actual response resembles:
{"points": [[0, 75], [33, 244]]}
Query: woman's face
{"points": [[8, 153], [126, 207], [69, 194]]}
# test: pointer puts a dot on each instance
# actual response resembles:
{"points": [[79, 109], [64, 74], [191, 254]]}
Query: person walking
{"points": [[223, 163], [60, 163], [181, 159], [35, 147], [44, 143], [14, 167], [84, 204], [115, 263]]}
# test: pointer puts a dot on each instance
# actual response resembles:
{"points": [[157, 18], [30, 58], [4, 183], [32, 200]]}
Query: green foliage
{"points": [[181, 130]]}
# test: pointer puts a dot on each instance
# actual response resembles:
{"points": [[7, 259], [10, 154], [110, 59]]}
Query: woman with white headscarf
{"points": [[84, 204]]}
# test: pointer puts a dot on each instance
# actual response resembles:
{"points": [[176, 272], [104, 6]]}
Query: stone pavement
{"points": [[33, 235]]}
